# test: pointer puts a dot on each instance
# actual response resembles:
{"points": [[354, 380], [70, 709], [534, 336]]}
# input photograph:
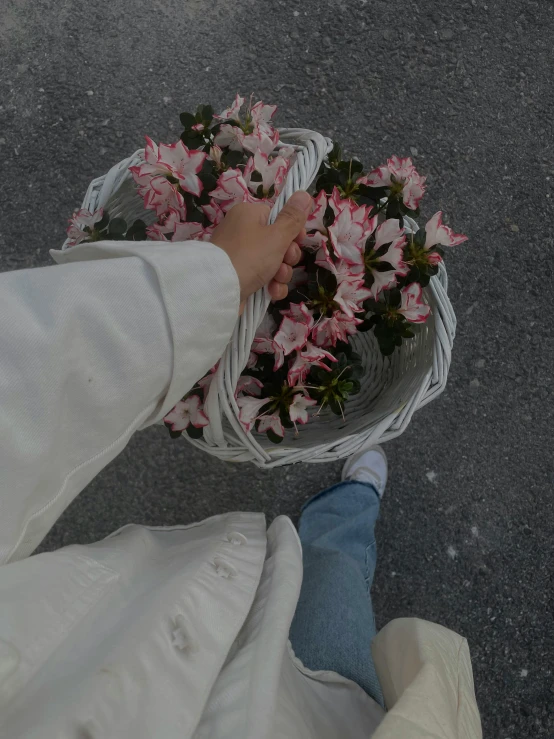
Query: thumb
{"points": [[292, 218]]}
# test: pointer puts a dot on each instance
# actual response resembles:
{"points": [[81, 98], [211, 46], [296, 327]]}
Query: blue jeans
{"points": [[334, 625]]}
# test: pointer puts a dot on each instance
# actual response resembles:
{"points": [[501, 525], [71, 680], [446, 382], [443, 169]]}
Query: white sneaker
{"points": [[369, 465]]}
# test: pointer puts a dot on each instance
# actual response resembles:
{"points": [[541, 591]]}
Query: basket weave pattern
{"points": [[393, 387]]}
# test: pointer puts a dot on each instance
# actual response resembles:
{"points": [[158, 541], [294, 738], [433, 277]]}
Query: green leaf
{"points": [[365, 325], [192, 139], [285, 420], [208, 180], [137, 231], [256, 176], [386, 349], [103, 222], [357, 372], [419, 237], [233, 158], [195, 216], [342, 360], [273, 437], [413, 213], [375, 193], [356, 387], [193, 432], [393, 209], [343, 177], [356, 166], [208, 167], [117, 226], [188, 120], [173, 434], [206, 114], [335, 406], [383, 267], [394, 297], [382, 250], [204, 199], [344, 348]]}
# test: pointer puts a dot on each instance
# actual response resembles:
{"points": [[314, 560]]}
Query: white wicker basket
{"points": [[394, 387]]}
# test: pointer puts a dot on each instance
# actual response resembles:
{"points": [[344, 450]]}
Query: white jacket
{"points": [[162, 633]]}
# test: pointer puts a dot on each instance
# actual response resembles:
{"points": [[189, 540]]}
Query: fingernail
{"points": [[301, 199]]}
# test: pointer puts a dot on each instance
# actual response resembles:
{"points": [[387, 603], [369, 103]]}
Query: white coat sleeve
{"points": [[90, 351]]}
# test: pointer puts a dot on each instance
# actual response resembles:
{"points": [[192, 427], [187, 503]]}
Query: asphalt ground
{"points": [[465, 88]]}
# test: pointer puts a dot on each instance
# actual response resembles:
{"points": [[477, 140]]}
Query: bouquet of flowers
{"points": [[364, 266]]}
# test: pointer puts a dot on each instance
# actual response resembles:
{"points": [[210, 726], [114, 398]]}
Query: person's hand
{"points": [[262, 254]]}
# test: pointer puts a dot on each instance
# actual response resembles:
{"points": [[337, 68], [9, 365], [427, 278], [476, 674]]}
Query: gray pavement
{"points": [[466, 532]]}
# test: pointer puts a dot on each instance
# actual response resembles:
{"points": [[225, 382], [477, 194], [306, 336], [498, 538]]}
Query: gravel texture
{"points": [[465, 88]]}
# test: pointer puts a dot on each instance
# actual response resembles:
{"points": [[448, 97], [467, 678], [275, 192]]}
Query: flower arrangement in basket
{"points": [[365, 333]]}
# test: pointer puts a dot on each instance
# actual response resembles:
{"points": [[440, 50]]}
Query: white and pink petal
{"points": [[412, 306], [440, 234], [291, 335]]}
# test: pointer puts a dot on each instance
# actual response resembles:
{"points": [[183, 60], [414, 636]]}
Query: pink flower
{"points": [[231, 189], [301, 313], [169, 160], [400, 175], [271, 423], [261, 114], [350, 231], [162, 196], [190, 231], [350, 295], [298, 409], [273, 173], [231, 136], [260, 140], [315, 219], [252, 360], [166, 225], [143, 173], [291, 335], [214, 212], [249, 385], [79, 220], [264, 343], [373, 261], [439, 234], [184, 164], [156, 232], [185, 412], [232, 113], [250, 409], [198, 127], [309, 356], [338, 327], [412, 305]]}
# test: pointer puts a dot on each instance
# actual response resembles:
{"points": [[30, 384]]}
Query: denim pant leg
{"points": [[334, 625]]}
